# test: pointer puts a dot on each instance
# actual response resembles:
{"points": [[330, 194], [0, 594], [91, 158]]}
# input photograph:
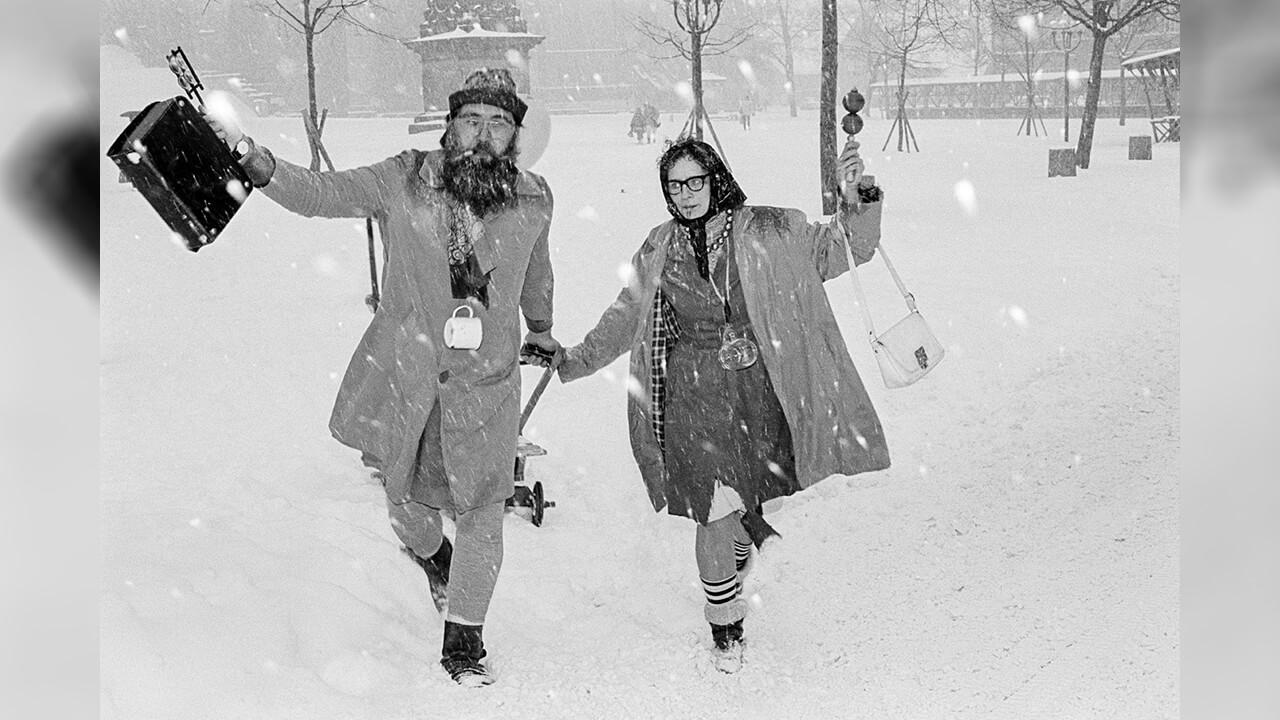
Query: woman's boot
{"points": [[726, 634], [727, 653]]}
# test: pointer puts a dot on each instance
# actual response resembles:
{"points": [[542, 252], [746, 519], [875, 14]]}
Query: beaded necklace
{"points": [[723, 235], [720, 243]]}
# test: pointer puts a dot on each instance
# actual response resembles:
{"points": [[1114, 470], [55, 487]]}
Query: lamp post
{"points": [[1064, 41]]}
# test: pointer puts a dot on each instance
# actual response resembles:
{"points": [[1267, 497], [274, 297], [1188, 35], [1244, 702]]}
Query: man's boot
{"points": [[437, 569], [463, 649]]}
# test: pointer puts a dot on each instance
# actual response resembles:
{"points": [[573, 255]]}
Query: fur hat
{"points": [[491, 86]]}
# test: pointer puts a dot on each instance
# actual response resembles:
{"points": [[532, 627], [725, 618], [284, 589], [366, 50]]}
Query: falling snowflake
{"points": [[1029, 27], [1017, 315], [325, 265], [236, 189], [684, 90], [967, 197]]}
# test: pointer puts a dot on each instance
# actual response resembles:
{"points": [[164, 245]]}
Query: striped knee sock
{"points": [[741, 553], [720, 592], [742, 560]]}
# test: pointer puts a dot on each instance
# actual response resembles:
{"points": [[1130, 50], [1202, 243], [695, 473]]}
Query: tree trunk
{"points": [[1123, 95], [791, 85], [902, 103], [309, 37], [977, 38], [827, 109], [1084, 143], [789, 63], [695, 43]]}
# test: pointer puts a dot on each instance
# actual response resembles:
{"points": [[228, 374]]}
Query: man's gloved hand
{"points": [[541, 349], [257, 161]]}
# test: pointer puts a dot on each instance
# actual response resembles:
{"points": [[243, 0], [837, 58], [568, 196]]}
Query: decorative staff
{"points": [[853, 103], [187, 79]]}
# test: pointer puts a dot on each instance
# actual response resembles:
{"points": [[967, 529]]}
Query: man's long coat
{"points": [[401, 368]]}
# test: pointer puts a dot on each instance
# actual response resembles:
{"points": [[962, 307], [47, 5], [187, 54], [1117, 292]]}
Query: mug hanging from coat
{"points": [[463, 333]]}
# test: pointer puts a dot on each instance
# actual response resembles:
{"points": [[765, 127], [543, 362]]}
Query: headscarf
{"points": [[725, 193]]}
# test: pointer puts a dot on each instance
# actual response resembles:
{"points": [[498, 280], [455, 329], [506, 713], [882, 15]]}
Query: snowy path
{"points": [[1018, 560]]}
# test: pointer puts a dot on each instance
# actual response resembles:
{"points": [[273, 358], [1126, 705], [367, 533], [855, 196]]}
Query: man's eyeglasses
{"points": [[497, 125], [695, 183]]}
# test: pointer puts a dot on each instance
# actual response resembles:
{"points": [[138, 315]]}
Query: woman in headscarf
{"points": [[749, 393]]}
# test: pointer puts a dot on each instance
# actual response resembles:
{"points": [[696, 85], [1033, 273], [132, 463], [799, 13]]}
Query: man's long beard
{"points": [[479, 177]]}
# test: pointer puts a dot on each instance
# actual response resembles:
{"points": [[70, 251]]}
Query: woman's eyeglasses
{"points": [[695, 183]]}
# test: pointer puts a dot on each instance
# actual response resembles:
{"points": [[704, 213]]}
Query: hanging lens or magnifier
{"points": [[737, 352]]}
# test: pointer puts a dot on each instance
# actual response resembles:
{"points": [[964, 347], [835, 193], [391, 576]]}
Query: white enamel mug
{"points": [[463, 333]]}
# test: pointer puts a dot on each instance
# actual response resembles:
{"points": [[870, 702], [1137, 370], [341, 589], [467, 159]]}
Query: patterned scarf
{"points": [[465, 230]]}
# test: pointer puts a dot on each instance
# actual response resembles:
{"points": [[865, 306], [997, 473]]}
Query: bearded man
{"points": [[431, 397]]}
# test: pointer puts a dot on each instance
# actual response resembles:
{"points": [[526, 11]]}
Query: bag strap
{"points": [[857, 285], [857, 289], [911, 299]]}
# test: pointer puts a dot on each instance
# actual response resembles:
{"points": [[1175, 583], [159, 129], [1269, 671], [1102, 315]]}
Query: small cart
{"points": [[525, 497]]}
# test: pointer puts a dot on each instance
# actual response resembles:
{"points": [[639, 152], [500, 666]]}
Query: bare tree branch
{"points": [[293, 17], [664, 36], [351, 20]]}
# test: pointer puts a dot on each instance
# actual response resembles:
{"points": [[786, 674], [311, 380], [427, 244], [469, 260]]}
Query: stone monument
{"points": [[453, 40]]}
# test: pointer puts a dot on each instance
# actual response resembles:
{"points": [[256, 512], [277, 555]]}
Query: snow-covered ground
{"points": [[1019, 559]]}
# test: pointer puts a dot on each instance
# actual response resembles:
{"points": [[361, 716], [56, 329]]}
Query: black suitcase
{"points": [[171, 155]]}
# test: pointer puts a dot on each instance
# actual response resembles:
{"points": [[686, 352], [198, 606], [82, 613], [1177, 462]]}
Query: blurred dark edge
{"points": [[54, 178], [1230, 500], [49, 518]]}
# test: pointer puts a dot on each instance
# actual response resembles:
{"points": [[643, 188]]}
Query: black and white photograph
{"points": [[844, 383], [561, 359]]}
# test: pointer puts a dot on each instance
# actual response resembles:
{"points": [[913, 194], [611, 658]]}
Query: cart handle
{"points": [[533, 399]]}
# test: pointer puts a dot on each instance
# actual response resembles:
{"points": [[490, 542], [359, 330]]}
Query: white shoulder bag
{"points": [[908, 350]]}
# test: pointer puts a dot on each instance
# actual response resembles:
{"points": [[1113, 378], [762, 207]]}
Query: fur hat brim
{"points": [[489, 96]]}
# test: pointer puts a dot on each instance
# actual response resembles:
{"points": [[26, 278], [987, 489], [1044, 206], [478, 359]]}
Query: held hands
{"points": [[542, 350]]}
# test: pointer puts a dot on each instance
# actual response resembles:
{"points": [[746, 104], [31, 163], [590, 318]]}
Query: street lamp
{"points": [[1064, 41]]}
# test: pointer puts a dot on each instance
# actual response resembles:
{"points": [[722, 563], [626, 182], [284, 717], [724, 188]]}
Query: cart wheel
{"points": [[538, 504]]}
